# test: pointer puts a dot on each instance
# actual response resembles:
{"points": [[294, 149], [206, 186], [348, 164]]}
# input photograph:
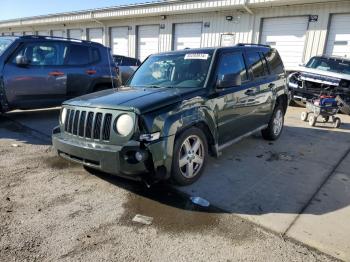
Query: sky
{"points": [[11, 9]]}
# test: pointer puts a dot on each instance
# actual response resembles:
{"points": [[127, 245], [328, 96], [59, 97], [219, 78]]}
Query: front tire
{"points": [[190, 155], [275, 127]]}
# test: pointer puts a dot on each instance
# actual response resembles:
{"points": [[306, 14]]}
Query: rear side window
{"points": [[255, 64], [232, 63], [118, 60], [77, 55], [275, 63], [95, 55]]}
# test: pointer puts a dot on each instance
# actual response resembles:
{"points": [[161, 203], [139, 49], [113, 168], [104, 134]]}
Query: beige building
{"points": [[299, 29]]}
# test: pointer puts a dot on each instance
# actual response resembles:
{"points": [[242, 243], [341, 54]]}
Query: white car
{"points": [[322, 75]]}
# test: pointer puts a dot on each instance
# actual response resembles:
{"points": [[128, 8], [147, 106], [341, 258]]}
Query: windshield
{"points": [[329, 64], [183, 70], [4, 43]]}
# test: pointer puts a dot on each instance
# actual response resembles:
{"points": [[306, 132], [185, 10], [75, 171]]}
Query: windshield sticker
{"points": [[196, 56]]}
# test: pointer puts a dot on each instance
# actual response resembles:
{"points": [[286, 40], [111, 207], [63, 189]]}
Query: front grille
{"points": [[89, 125]]}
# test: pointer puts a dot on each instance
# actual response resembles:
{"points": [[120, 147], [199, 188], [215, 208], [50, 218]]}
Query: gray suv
{"points": [[37, 71]]}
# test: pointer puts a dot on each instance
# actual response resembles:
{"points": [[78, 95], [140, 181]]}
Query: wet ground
{"points": [[51, 209]]}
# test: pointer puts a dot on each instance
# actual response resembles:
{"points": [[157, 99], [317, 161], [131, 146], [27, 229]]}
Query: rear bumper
{"points": [[107, 158]]}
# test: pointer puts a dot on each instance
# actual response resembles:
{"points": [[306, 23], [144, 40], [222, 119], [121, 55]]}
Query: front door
{"points": [[234, 104], [41, 82]]}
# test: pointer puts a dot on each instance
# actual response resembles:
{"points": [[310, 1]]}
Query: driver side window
{"points": [[42, 54], [232, 64]]}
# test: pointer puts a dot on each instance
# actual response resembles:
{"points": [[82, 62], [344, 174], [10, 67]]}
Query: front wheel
{"points": [[275, 127], [190, 154]]}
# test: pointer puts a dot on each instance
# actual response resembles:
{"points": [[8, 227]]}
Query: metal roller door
{"points": [[148, 41], [188, 35], [120, 40], [43, 33], [95, 35], [57, 33], [75, 34], [287, 35], [338, 41]]}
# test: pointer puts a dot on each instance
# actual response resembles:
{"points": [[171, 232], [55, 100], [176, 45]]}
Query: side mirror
{"points": [[229, 80], [22, 60], [302, 65]]}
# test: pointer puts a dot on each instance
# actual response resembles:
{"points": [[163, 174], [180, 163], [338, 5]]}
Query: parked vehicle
{"points": [[126, 66], [178, 108], [322, 75], [37, 71]]}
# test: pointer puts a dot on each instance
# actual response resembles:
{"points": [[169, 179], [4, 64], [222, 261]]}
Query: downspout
{"points": [[246, 7], [103, 25]]}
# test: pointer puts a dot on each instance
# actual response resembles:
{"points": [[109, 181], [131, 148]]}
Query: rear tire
{"points": [[189, 156], [275, 127], [337, 122]]}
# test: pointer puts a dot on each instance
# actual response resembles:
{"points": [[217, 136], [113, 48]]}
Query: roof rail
{"points": [[53, 37], [251, 44]]}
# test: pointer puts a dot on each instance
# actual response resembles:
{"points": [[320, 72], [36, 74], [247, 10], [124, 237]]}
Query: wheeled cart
{"points": [[326, 111]]}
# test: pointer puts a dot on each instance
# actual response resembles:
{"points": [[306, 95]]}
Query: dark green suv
{"points": [[178, 108]]}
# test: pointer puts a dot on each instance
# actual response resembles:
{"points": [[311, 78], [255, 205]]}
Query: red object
{"points": [[91, 72], [56, 73]]}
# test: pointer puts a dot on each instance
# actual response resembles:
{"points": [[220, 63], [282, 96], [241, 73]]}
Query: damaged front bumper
{"points": [[132, 160]]}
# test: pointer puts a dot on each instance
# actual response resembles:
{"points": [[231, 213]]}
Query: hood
{"points": [[140, 100], [317, 72]]}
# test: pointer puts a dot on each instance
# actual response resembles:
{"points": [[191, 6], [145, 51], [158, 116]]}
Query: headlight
{"points": [[63, 115], [124, 124]]}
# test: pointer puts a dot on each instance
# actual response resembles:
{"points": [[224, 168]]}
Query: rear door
{"points": [[233, 102], [80, 68], [262, 89], [40, 83]]}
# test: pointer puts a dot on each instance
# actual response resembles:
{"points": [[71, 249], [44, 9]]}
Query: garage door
{"points": [[95, 35], [148, 41], [43, 33], [120, 41], [57, 33], [75, 33], [338, 42], [287, 35], [187, 35]]}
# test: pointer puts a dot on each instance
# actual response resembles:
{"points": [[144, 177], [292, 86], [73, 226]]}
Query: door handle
{"points": [[249, 92], [56, 74], [91, 72]]}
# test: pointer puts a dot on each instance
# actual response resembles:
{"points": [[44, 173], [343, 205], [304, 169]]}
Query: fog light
{"points": [[139, 156]]}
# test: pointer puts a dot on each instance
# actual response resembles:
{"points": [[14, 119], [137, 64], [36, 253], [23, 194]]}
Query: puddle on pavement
{"points": [[173, 212]]}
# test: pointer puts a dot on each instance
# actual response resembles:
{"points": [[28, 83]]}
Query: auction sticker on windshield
{"points": [[196, 56]]}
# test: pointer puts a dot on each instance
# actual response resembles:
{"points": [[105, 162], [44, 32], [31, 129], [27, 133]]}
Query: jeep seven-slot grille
{"points": [[88, 124]]}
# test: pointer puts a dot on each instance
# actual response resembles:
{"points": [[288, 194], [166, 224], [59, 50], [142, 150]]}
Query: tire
{"points": [[192, 162], [304, 115], [337, 122], [312, 120], [275, 127], [343, 106]]}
